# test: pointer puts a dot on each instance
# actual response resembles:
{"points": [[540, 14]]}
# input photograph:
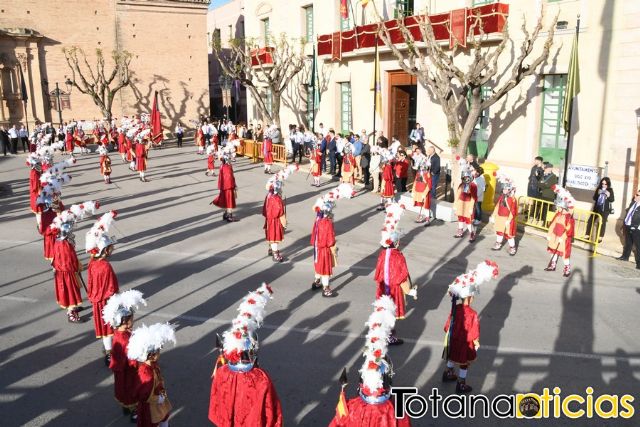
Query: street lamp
{"points": [[225, 84], [57, 92]]}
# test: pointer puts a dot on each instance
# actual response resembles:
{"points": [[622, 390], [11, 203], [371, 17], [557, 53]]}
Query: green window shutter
{"points": [[481, 2], [345, 106], [553, 141], [403, 8], [266, 29], [308, 11], [479, 143]]}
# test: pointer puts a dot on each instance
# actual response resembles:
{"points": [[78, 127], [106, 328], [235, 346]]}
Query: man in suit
{"points": [[545, 189], [631, 228], [332, 147], [4, 140], [433, 160]]}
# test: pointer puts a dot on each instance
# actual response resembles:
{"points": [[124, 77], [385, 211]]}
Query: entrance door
{"points": [[402, 105]]}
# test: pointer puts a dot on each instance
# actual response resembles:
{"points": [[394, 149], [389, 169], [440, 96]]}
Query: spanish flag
{"points": [[344, 10], [341, 409]]}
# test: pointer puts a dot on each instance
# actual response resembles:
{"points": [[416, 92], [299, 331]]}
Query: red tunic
{"points": [[397, 274], [562, 227], [465, 203], [273, 210], [363, 414], [401, 169], [422, 190], [105, 165], [101, 284], [34, 189], [200, 138], [65, 262], [323, 237], [124, 370], [211, 162], [466, 329], [122, 145], [49, 234], [69, 142], [316, 158], [267, 146], [144, 388], [227, 186], [387, 183], [141, 157], [128, 148], [244, 399], [506, 210]]}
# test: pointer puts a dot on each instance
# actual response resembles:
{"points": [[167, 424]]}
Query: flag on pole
{"points": [[365, 3], [344, 10], [156, 122], [23, 85], [342, 410], [573, 85], [314, 81], [375, 83]]}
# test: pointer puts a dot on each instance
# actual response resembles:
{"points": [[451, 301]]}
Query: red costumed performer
{"points": [[561, 231], [48, 204], [35, 163], [392, 274], [373, 406], [65, 262], [347, 173], [118, 314], [387, 191], [211, 159], [102, 282], [504, 215], [466, 197], [316, 163], [242, 394], [105, 164], [122, 144], [153, 407], [141, 152], [267, 146], [323, 238], [226, 199], [200, 142], [421, 191], [462, 329], [68, 140], [274, 212]]}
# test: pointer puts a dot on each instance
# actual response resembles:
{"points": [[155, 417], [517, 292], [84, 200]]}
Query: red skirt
{"points": [[462, 352], [141, 164], [34, 205], [387, 189], [315, 170], [124, 383], [396, 294], [363, 414], [144, 415], [67, 289], [102, 329], [122, 148], [465, 219], [324, 263], [273, 230], [69, 144], [226, 199], [211, 163], [268, 158]]}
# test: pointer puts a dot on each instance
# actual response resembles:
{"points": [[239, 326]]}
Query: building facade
{"points": [[167, 39], [225, 22], [524, 124]]}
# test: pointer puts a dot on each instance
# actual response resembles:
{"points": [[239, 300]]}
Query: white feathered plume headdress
{"points": [[242, 334], [149, 339], [97, 239], [276, 180], [327, 202], [75, 213], [506, 182], [564, 199], [468, 284], [120, 306], [391, 234], [381, 322]]}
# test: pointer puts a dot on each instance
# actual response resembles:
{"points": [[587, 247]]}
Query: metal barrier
{"points": [[253, 150], [538, 213]]}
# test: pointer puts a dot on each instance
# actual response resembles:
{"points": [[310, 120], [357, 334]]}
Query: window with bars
{"points": [[479, 143], [403, 8], [345, 107], [481, 2], [308, 14], [266, 29], [553, 141]]}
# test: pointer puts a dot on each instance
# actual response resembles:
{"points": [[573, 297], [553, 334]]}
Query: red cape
{"points": [[466, 329], [272, 210], [363, 414], [323, 237], [398, 273], [244, 399]]}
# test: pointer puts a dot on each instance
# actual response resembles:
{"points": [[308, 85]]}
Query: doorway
{"points": [[402, 95]]}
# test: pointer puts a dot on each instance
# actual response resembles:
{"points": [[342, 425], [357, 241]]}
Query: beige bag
{"points": [[158, 410]]}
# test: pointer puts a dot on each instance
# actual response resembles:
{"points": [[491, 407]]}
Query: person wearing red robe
{"points": [[275, 220], [211, 159], [316, 164], [122, 145], [200, 142], [401, 172], [421, 191], [67, 267], [129, 147], [34, 183], [464, 205], [561, 231], [141, 151], [105, 166], [267, 147], [392, 279], [226, 198], [504, 217], [388, 190], [48, 212], [323, 240], [68, 142], [348, 167], [102, 283]]}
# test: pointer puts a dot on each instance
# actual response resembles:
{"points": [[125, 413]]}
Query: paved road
{"points": [[538, 330]]}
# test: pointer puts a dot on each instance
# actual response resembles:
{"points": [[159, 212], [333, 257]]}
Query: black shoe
{"points": [[133, 417], [125, 410], [107, 359], [393, 340], [622, 258], [316, 285]]}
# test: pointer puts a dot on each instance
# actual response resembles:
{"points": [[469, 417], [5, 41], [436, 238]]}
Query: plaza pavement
{"points": [[537, 329]]}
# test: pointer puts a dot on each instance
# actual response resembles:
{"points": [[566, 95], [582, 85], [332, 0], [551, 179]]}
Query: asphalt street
{"points": [[537, 329]]}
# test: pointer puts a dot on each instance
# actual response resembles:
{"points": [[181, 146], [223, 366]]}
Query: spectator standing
{"points": [[13, 137], [400, 173], [602, 197], [340, 142], [179, 134], [417, 136], [481, 186], [433, 160], [545, 188], [534, 177], [24, 138], [332, 148], [365, 162], [298, 144], [357, 153], [631, 228], [4, 140]]}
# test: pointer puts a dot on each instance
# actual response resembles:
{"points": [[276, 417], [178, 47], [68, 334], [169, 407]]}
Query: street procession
{"points": [[346, 213]]}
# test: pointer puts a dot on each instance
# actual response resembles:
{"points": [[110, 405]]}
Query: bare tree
{"points": [[94, 80], [240, 60], [458, 87]]}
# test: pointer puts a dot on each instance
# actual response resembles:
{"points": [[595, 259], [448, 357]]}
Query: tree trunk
{"points": [[275, 108]]}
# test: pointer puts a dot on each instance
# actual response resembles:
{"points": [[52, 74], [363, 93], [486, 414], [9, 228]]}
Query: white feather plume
{"points": [[149, 339]]}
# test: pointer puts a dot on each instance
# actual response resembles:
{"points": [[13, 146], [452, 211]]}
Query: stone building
{"points": [[526, 123], [168, 40]]}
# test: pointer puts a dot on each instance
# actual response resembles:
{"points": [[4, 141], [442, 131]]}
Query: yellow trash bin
{"points": [[490, 174]]}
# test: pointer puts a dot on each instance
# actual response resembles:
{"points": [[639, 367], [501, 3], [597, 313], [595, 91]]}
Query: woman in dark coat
{"points": [[602, 197]]}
